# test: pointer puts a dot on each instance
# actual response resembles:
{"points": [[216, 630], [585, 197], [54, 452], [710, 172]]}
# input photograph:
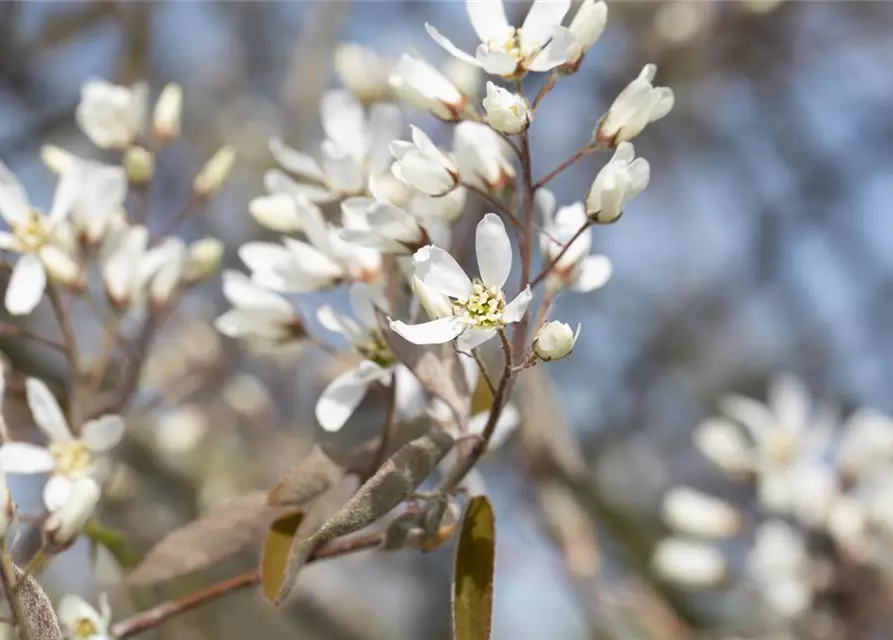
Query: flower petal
{"points": [[516, 309], [556, 52], [275, 181], [14, 205], [494, 251], [433, 332], [595, 272], [541, 20], [103, 433], [56, 492], [449, 47], [473, 338], [498, 63], [24, 457], [789, 399], [73, 609], [338, 323], [487, 19], [46, 411], [385, 123], [340, 399], [26, 285], [296, 162], [344, 122], [437, 269], [245, 294], [364, 300]]}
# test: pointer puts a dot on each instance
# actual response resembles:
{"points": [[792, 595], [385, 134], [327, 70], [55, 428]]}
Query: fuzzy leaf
{"points": [[393, 483], [216, 534], [474, 569], [274, 556], [113, 541], [306, 481], [41, 617]]}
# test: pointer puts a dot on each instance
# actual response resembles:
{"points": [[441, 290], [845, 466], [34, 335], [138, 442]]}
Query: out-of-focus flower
{"points": [[38, 238], [215, 172], [506, 112], [639, 104], [112, 116], [362, 71], [555, 340], [202, 260], [80, 621], [466, 77], [384, 227], [781, 567], [509, 51], [575, 269], [67, 458], [619, 181], [587, 27], [424, 87], [693, 512], [181, 430], [123, 265], [139, 165], [257, 314], [164, 265], [483, 157], [423, 166], [7, 506], [166, 117], [277, 212], [689, 563], [866, 444], [66, 523], [479, 308]]}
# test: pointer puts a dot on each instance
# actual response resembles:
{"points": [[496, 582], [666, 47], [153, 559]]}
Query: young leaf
{"points": [[473, 578], [393, 483], [113, 541], [274, 556], [39, 613], [306, 481], [216, 534]]}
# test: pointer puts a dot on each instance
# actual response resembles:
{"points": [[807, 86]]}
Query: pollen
{"points": [[84, 628], [32, 233], [71, 458], [377, 351], [483, 309]]}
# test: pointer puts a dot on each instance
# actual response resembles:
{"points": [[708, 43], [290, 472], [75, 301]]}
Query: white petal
{"points": [[487, 19], [60, 266], [343, 169], [556, 52], [46, 411], [103, 433], [7, 241], [595, 272], [73, 608], [67, 192], [449, 47], [437, 269], [385, 123], [494, 251], [411, 397], [243, 293], [516, 309], [498, 63], [692, 512], [354, 212], [312, 261], [249, 324], [344, 122], [364, 300], [24, 457], [752, 414], [543, 17], [337, 323], [473, 338], [275, 181], [340, 399], [26, 285], [722, 443], [14, 205], [296, 162], [544, 202], [789, 399], [688, 562], [56, 492], [434, 332]]}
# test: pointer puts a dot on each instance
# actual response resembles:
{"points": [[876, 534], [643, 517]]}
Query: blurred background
{"points": [[763, 244]]}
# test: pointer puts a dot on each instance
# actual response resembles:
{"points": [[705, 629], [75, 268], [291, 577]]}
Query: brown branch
{"points": [[560, 255], [25, 334], [584, 151], [163, 612], [75, 416], [499, 206]]}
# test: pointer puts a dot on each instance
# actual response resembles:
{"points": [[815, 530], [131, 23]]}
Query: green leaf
{"points": [[474, 568], [113, 541], [274, 556]]}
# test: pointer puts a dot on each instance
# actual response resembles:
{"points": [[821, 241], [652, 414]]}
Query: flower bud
{"points": [[139, 164], [695, 513], [419, 84], [63, 526], [362, 71], [586, 27], [689, 563], [57, 159], [60, 266], [166, 118], [506, 111], [619, 181], [214, 173], [203, 259], [277, 212], [171, 260], [7, 507], [555, 340], [637, 105]]}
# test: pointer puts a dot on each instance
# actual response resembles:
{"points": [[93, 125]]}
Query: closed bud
{"points": [[692, 512], [57, 159], [63, 526], [555, 340], [277, 212], [619, 181], [7, 507], [203, 259], [637, 105], [166, 118], [139, 164], [506, 112], [215, 172]]}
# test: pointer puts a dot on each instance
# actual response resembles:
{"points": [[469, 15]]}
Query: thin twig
{"points": [[584, 151], [75, 416], [163, 612], [25, 334], [560, 255], [484, 374], [545, 89], [192, 205], [109, 338], [499, 206]]}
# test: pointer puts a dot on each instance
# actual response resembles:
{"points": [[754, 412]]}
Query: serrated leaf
{"points": [[39, 612], [393, 483], [113, 541], [274, 555], [474, 571], [220, 532], [306, 481]]}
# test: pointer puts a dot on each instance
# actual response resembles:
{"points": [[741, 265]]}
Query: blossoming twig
{"points": [[71, 354], [560, 255]]}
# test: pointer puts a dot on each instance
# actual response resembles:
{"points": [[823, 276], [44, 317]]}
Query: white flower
{"points": [[781, 567], [509, 51], [38, 237], [202, 260], [112, 116], [466, 77], [66, 523], [424, 87], [215, 173], [555, 340], [383, 226], [343, 394], [257, 314], [80, 621], [362, 71], [277, 212], [421, 165], [619, 181], [689, 563], [7, 506], [479, 309], [506, 111], [356, 148], [586, 27], [575, 269], [67, 458], [866, 444], [139, 165], [99, 199], [637, 105], [484, 159], [166, 117], [693, 512]]}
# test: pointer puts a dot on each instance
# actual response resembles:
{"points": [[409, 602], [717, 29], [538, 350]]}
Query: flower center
{"points": [[781, 447], [71, 458], [32, 233], [377, 351], [84, 628], [510, 43], [483, 309]]}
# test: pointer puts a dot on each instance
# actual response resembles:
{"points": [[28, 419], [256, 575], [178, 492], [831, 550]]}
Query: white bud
{"points": [[203, 259], [362, 71], [506, 112], [696, 513], [587, 27], [7, 507], [421, 165], [56, 159], [619, 181], [214, 173], [139, 164], [555, 340], [723, 444], [637, 105], [419, 84], [64, 525], [171, 260], [166, 118], [689, 563], [277, 212]]}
